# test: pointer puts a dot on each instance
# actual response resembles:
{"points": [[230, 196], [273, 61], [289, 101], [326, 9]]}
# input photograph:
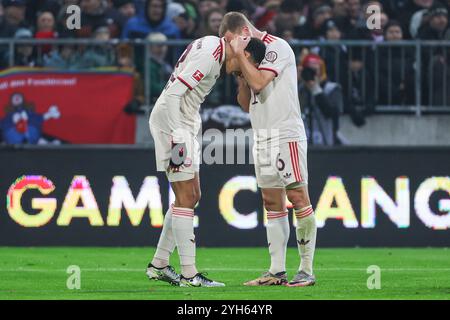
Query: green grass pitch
{"points": [[118, 273]]}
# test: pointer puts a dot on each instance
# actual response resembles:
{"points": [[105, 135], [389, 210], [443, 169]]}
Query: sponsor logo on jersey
{"points": [[197, 75], [271, 56]]}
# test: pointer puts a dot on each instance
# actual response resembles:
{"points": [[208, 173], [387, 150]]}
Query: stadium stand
{"points": [[401, 67]]}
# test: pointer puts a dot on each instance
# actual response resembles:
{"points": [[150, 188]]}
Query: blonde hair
{"points": [[233, 22]]}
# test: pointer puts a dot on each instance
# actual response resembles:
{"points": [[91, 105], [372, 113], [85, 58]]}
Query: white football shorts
{"points": [[281, 166], [163, 152]]}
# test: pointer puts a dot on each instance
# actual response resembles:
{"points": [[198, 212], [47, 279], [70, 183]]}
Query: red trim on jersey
{"points": [[268, 38], [269, 69], [218, 53], [184, 82], [221, 50]]}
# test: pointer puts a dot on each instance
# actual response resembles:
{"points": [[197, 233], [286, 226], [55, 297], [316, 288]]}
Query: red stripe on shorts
{"points": [[298, 162], [294, 161]]}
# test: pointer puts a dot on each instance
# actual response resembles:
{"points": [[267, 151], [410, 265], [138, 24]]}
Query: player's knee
{"points": [[298, 197], [269, 201]]}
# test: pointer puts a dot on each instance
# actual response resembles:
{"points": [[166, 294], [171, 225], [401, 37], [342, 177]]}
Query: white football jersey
{"points": [[198, 69], [275, 112]]}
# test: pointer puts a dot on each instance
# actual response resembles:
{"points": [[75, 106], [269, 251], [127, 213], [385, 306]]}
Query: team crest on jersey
{"points": [[271, 56], [197, 75]]}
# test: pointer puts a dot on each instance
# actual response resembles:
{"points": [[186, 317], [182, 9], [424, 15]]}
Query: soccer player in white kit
{"points": [[175, 124], [269, 93]]}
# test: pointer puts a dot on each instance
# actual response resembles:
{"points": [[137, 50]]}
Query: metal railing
{"points": [[404, 76]]}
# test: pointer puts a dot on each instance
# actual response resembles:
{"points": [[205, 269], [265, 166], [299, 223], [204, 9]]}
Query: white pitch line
{"points": [[221, 269]]}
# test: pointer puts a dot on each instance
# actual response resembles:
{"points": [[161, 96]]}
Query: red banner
{"points": [[74, 107]]}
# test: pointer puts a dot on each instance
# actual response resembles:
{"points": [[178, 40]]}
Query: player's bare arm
{"points": [[244, 94], [173, 97], [256, 79]]}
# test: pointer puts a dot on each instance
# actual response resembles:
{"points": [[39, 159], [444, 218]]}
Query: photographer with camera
{"points": [[321, 101]]}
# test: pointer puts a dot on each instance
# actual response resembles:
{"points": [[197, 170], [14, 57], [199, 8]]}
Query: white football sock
{"points": [[277, 237], [306, 238], [166, 243], [183, 231]]}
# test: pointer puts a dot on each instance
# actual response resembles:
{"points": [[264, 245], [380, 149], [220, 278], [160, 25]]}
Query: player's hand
{"points": [[241, 80], [239, 44], [177, 156], [178, 152]]}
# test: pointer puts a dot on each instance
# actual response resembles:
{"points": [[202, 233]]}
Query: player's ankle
{"points": [[188, 271], [160, 263]]}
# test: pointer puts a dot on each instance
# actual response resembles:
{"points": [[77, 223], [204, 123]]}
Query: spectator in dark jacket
{"points": [[437, 24], [13, 17], [395, 66], [160, 70], [289, 18], [96, 14], [24, 55], [126, 8], [336, 58], [311, 30], [341, 16], [321, 101], [34, 7], [412, 7], [435, 60], [362, 61], [154, 20], [212, 23]]}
